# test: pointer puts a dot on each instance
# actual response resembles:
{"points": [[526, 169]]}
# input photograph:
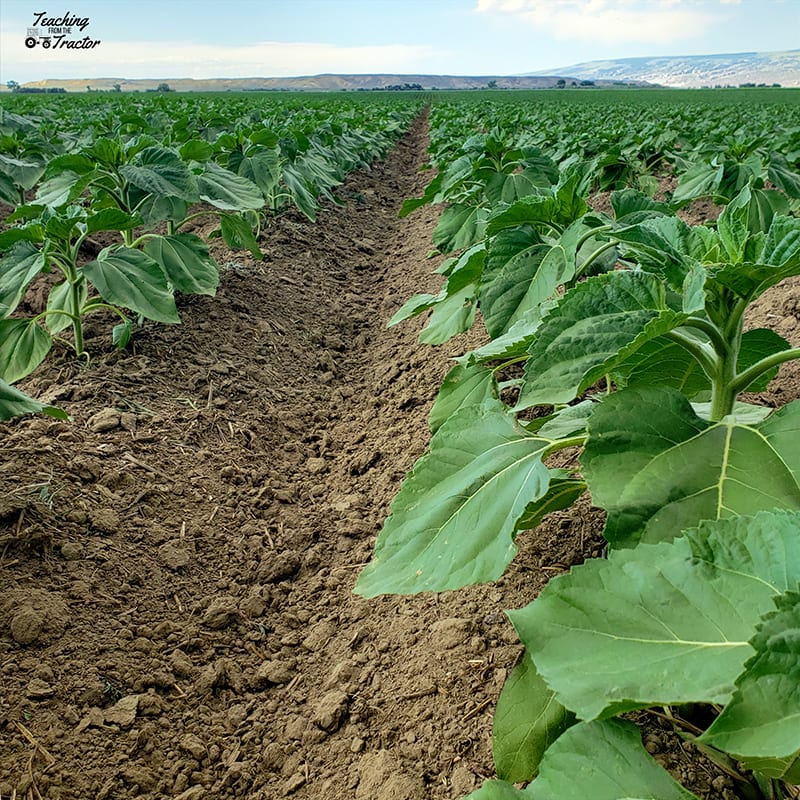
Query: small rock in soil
{"points": [[104, 520], [330, 710], [123, 713], [175, 555], [452, 632], [274, 672], [38, 689], [181, 664], [194, 746], [279, 567], [221, 613], [34, 616], [106, 420], [71, 551]]}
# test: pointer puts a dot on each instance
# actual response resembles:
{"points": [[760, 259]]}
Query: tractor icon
{"points": [[33, 38]]}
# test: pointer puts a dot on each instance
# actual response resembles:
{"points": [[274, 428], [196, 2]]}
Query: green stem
{"points": [[590, 234], [600, 250], [744, 379], [94, 306], [703, 354], [709, 329], [562, 444]]}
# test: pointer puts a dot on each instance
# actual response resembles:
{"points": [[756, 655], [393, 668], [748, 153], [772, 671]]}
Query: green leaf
{"points": [[500, 790], [303, 196], [463, 386], [657, 468], [762, 721], [528, 719], [156, 208], [18, 267], [23, 346], [24, 174], [661, 624], [459, 226], [414, 306], [227, 190], [520, 275], [121, 334], [60, 299], [604, 761], [112, 219], [62, 188], [238, 234], [196, 150], [451, 316], [185, 260], [596, 326], [131, 279], [160, 171], [783, 175], [700, 180], [14, 403], [733, 227], [261, 165], [453, 521]]}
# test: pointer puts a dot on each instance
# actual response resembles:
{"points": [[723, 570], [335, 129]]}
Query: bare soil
{"points": [[177, 562]]}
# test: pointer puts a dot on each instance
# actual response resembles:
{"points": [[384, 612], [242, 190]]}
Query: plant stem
{"points": [[744, 379], [600, 250]]}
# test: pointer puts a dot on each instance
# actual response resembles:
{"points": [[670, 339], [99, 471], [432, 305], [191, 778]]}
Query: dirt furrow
{"points": [[177, 614]]}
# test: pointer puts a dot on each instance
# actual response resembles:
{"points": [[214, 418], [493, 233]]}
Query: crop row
{"points": [[622, 334], [105, 193]]}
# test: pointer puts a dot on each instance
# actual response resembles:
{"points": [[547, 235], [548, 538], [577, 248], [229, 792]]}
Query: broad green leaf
{"points": [[527, 211], [631, 206], [14, 403], [762, 721], [451, 316], [414, 306], [700, 180], [196, 150], [501, 188], [521, 274], [669, 247], [528, 719], [657, 468], [501, 790], [185, 260], [661, 624], [160, 171], [154, 209], [61, 298], [9, 192], [227, 190], [112, 219], [459, 226], [238, 234], [662, 362], [596, 326], [18, 267], [24, 174], [512, 344], [561, 493], [131, 279], [261, 165], [604, 761], [733, 228], [783, 175], [62, 188], [453, 521], [30, 233], [23, 346], [463, 386], [303, 195]]}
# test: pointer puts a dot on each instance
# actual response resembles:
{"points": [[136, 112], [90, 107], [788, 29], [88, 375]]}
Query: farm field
{"points": [[178, 560]]}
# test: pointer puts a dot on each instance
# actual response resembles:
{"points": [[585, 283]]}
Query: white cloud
{"points": [[616, 20], [188, 60]]}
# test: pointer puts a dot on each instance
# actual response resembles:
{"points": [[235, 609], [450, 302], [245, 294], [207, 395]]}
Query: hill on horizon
{"points": [[723, 69]]}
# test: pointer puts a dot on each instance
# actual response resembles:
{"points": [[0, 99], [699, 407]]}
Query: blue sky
{"points": [[240, 38]]}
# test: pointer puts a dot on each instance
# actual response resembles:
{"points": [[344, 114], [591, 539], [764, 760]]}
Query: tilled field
{"points": [[177, 563]]}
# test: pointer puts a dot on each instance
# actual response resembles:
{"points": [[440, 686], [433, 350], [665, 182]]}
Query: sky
{"points": [[271, 38]]}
